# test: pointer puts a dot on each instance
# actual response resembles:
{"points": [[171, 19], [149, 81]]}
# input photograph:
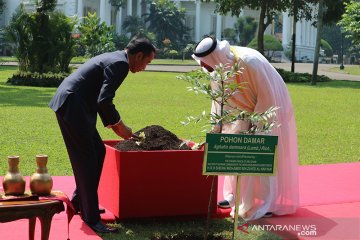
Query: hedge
{"points": [[37, 79], [286, 76]]}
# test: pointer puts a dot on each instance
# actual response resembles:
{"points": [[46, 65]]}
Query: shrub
{"points": [[300, 77], [286, 75], [95, 36], [42, 39], [48, 79], [328, 51], [173, 53], [271, 45]]}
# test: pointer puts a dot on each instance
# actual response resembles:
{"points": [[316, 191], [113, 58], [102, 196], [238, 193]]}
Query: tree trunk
{"points": [[261, 28], [318, 38], [293, 58]]}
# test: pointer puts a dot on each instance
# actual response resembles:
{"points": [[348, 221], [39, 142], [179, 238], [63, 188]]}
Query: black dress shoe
{"points": [[268, 215], [77, 210], [101, 211], [102, 228], [224, 204]]}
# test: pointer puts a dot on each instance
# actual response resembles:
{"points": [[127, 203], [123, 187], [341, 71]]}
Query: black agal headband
{"points": [[207, 52]]}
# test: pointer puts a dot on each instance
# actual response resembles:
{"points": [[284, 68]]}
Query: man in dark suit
{"points": [[80, 97]]}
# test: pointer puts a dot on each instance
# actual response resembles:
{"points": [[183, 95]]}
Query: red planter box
{"points": [[154, 183]]}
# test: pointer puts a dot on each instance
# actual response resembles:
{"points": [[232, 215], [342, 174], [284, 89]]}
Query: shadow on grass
{"points": [[180, 229], [25, 96], [332, 84]]}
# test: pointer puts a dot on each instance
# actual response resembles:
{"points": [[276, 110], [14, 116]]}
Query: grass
{"points": [[327, 119], [349, 69], [187, 229], [84, 59], [174, 62], [7, 59]]}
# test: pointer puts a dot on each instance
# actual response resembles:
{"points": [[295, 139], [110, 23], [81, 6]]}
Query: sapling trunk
{"points": [[213, 177]]}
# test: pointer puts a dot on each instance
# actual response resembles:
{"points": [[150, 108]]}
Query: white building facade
{"points": [[200, 18]]}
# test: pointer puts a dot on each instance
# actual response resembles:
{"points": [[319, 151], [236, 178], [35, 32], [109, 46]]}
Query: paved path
{"points": [[323, 69]]}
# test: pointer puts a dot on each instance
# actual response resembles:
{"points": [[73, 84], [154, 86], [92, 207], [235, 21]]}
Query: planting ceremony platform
{"points": [[329, 209]]}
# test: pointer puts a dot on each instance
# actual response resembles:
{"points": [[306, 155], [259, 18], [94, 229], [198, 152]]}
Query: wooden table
{"points": [[42, 209]]}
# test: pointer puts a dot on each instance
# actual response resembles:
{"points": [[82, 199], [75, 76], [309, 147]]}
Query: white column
{"points": [[108, 12], [197, 20], [303, 33], [313, 36], [218, 26], [298, 34], [118, 21], [138, 8], [102, 10], [286, 30], [129, 7], [80, 9]]}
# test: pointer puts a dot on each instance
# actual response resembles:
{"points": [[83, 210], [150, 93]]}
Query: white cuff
{"points": [[110, 126]]}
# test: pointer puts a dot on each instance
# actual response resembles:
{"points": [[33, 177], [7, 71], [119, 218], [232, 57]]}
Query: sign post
{"points": [[240, 155]]}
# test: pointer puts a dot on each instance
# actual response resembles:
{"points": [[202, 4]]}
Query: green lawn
{"points": [[327, 117], [174, 62], [353, 69], [84, 59]]}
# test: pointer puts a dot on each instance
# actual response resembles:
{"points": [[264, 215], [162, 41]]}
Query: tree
{"points": [[334, 9], [271, 45], [350, 22], [167, 21], [2, 40], [268, 9], [318, 38], [2, 6], [117, 3], [95, 36], [245, 28], [230, 35], [133, 25], [328, 12], [333, 35], [328, 50], [299, 9], [42, 39]]}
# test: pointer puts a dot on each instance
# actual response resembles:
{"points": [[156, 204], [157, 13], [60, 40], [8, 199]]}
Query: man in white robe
{"points": [[259, 195]]}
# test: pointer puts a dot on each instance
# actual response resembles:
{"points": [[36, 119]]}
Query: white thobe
{"points": [[263, 88]]}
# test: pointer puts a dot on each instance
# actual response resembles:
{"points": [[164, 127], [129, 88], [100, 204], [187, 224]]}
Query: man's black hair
{"points": [[140, 44]]}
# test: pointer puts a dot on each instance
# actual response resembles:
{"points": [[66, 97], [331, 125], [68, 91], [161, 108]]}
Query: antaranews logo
{"points": [[300, 229]]}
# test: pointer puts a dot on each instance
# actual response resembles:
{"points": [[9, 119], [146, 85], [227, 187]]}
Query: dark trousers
{"points": [[86, 152]]}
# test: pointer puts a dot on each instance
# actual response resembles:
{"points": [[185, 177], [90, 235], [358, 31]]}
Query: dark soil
{"points": [[156, 138]]}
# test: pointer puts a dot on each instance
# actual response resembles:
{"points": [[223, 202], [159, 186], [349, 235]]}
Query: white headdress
{"points": [[213, 52]]}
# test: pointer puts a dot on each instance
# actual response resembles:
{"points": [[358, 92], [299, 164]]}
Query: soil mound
{"points": [[156, 138]]}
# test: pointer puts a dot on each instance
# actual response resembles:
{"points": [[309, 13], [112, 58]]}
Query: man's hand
{"points": [[122, 130], [215, 129]]}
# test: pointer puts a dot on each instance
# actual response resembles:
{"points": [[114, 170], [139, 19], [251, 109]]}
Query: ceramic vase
{"points": [[41, 182], [14, 182]]}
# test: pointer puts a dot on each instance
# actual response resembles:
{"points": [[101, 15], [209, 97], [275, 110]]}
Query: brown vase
{"points": [[14, 182], [41, 182]]}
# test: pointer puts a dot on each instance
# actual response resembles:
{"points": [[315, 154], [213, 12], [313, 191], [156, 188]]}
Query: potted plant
{"points": [[153, 183]]}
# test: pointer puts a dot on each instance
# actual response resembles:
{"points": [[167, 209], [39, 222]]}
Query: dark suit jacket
{"points": [[94, 83]]}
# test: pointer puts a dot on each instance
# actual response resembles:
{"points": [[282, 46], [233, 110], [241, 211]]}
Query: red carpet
{"points": [[330, 205], [329, 199], [18, 230]]}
